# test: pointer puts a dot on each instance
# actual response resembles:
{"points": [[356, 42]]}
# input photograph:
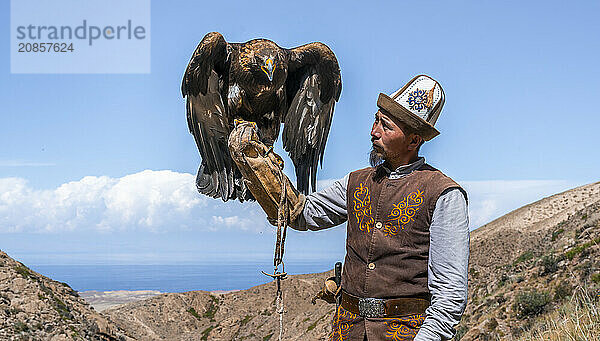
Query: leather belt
{"points": [[379, 307]]}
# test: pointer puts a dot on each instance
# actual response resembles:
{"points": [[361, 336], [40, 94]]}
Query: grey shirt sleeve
{"points": [[447, 267], [324, 209]]}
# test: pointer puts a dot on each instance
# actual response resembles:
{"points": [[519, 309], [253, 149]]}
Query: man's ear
{"points": [[415, 141]]}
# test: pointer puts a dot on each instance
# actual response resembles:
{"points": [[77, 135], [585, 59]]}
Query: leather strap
{"points": [[378, 308]]}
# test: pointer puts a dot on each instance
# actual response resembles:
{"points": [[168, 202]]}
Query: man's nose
{"points": [[375, 133]]}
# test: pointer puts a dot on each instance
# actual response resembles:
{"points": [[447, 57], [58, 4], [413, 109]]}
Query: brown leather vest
{"points": [[387, 244]]}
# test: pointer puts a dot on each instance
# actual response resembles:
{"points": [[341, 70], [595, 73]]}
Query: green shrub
{"points": [[596, 278], [549, 264], [23, 271], [460, 332], [530, 303], [20, 327], [562, 290], [503, 279], [246, 319], [556, 233], [525, 256]]}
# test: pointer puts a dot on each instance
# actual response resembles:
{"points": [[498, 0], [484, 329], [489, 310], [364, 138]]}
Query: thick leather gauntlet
{"points": [[262, 170]]}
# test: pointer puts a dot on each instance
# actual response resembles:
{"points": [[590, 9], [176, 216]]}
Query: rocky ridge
{"points": [[527, 263], [242, 315], [34, 307]]}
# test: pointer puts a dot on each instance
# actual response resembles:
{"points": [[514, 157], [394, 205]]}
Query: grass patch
{"points": [[525, 256], [557, 233], [246, 319], [193, 312], [205, 333], [24, 271], [212, 309], [75, 333], [580, 248], [57, 303], [268, 337], [20, 327], [62, 308]]}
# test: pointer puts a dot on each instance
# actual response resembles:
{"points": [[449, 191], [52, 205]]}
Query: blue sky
{"points": [[99, 167]]}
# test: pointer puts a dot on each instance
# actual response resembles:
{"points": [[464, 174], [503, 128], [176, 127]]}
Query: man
{"points": [[405, 270]]}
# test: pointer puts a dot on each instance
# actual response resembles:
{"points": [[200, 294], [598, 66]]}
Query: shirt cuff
{"points": [[425, 334]]}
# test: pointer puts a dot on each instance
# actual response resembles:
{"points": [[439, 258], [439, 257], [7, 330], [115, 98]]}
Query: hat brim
{"points": [[421, 127]]}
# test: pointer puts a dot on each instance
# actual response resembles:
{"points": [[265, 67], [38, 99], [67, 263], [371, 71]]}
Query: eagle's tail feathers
{"points": [[222, 184]]}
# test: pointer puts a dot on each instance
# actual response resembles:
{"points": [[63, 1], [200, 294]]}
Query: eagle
{"points": [[259, 81]]}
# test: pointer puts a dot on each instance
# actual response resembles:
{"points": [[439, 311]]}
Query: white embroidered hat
{"points": [[418, 104]]}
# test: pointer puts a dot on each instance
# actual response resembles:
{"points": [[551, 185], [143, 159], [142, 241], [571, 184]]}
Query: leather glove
{"points": [[262, 170]]}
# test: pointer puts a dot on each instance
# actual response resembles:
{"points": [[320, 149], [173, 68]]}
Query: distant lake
{"points": [[173, 278]]}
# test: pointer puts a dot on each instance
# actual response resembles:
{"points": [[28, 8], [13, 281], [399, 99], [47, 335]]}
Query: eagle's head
{"points": [[265, 61]]}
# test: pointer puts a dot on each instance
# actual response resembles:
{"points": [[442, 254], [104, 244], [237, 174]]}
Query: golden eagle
{"points": [[261, 82]]}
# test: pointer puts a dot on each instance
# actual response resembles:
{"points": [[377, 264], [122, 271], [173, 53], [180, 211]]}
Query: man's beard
{"points": [[376, 158]]}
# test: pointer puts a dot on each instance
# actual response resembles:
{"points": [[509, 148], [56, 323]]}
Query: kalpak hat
{"points": [[418, 104]]}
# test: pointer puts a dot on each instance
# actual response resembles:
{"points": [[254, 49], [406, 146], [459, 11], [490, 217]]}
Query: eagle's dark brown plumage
{"points": [[261, 82]]}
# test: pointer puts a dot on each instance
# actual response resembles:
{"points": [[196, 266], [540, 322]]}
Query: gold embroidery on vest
{"points": [[342, 321], [404, 328], [403, 213], [362, 208]]}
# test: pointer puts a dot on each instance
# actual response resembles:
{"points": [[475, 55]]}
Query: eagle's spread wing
{"points": [[313, 86], [204, 86]]}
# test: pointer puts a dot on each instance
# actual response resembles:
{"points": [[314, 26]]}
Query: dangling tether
{"points": [[282, 222]]}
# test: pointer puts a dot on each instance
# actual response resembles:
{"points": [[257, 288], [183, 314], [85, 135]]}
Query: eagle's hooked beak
{"points": [[268, 68]]}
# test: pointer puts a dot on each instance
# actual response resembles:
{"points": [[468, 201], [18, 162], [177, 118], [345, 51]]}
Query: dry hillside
{"points": [[528, 262], [241, 315], [34, 307]]}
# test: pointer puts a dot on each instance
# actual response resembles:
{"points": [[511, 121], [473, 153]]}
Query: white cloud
{"points": [[161, 201], [157, 201], [491, 199]]}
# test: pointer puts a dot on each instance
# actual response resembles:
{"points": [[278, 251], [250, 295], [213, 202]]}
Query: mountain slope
{"points": [[242, 315], [34, 307], [527, 263]]}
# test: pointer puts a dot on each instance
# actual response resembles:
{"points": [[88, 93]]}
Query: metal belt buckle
{"points": [[371, 307]]}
